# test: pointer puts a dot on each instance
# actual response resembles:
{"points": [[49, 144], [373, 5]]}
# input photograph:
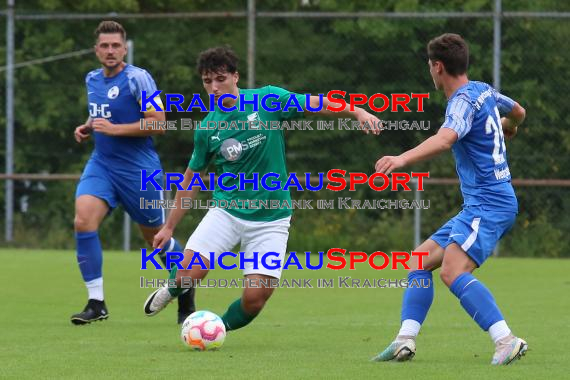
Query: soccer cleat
{"points": [[94, 311], [157, 301], [508, 350], [400, 350], [186, 305]]}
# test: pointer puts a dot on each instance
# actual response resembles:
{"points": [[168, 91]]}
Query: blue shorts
{"points": [[477, 230], [123, 188]]}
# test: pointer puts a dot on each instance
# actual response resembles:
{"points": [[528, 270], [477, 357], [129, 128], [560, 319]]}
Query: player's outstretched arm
{"points": [[177, 213], [364, 117], [433, 146], [512, 120], [131, 129]]}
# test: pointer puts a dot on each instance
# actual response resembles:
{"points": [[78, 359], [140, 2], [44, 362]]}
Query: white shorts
{"points": [[220, 232]]}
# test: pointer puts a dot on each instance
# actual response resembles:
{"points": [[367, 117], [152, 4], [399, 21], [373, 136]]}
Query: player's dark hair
{"points": [[110, 27], [216, 60], [451, 50]]}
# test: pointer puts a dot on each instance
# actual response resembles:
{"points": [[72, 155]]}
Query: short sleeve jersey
{"points": [[118, 99], [474, 111], [253, 149]]}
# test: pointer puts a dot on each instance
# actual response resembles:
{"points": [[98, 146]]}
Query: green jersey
{"points": [[239, 143]]}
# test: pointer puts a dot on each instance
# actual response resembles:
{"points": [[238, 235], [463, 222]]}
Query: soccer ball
{"points": [[203, 331]]}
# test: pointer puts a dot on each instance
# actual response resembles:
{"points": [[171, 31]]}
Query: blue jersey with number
{"points": [[118, 100], [474, 111]]}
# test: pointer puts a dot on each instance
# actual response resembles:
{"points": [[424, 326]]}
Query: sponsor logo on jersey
{"points": [[253, 119], [502, 174], [113, 92], [231, 149], [216, 137], [99, 110]]}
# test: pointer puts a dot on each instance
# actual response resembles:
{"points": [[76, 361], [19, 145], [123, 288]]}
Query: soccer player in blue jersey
{"points": [[476, 120], [112, 174]]}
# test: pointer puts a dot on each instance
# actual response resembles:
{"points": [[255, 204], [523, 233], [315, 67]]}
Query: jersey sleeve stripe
{"points": [[504, 104], [148, 83], [462, 110], [459, 117]]}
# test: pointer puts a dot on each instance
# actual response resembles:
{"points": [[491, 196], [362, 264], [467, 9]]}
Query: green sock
{"points": [[174, 292], [235, 317]]}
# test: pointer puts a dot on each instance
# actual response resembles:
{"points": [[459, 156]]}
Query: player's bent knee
{"points": [[89, 212], [448, 276], [254, 304], [183, 273], [427, 265], [194, 274], [430, 262], [83, 224]]}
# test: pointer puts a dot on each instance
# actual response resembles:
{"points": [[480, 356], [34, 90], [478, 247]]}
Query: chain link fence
{"points": [[365, 53]]}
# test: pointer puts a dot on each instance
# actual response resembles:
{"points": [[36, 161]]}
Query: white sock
{"points": [[499, 330], [410, 328], [95, 289]]}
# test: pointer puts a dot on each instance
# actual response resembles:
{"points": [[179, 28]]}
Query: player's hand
{"points": [[162, 237], [510, 132], [104, 126], [82, 132], [509, 128], [387, 164], [368, 122]]}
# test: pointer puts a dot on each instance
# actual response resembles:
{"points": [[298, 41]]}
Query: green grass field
{"points": [[303, 333]]}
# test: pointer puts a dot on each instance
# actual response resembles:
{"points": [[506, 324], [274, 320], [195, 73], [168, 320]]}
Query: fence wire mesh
{"points": [[305, 55]]}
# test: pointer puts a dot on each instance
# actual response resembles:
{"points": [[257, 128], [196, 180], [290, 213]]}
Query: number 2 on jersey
{"points": [[498, 138]]}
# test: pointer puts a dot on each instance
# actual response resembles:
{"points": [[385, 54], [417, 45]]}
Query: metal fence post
{"points": [[127, 218], [497, 14], [9, 198], [417, 213], [251, 43]]}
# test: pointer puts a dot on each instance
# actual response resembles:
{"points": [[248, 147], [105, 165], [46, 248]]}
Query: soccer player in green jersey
{"points": [[250, 150]]}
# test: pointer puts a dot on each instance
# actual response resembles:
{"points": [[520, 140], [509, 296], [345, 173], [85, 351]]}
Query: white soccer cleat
{"points": [[399, 350], [157, 301], [509, 349]]}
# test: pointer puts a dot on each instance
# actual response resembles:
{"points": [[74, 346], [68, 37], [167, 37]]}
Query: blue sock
{"points": [[89, 255], [477, 300], [177, 246], [417, 299], [172, 246]]}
